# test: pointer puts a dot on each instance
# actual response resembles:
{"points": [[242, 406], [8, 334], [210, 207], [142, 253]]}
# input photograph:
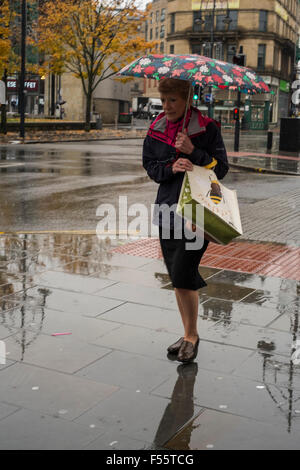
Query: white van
{"points": [[154, 107]]}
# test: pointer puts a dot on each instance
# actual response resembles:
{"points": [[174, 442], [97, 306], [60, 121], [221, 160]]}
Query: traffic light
{"points": [[196, 92], [239, 59], [236, 114]]}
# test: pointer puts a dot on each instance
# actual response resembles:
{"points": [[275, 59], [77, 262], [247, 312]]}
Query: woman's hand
{"points": [[182, 164], [183, 143]]}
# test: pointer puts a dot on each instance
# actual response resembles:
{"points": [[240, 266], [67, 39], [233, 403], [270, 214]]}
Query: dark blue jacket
{"points": [[158, 154]]}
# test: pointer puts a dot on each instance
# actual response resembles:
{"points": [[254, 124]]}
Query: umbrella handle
{"points": [[186, 107]]}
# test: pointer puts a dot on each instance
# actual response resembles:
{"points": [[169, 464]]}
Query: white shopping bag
{"points": [[222, 220]]}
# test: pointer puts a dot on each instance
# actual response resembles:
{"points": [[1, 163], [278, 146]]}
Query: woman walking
{"points": [[168, 152]]}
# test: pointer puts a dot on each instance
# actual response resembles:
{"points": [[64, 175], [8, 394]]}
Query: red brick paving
{"points": [[268, 259]]}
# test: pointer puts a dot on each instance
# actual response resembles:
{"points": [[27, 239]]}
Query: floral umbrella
{"points": [[199, 70]]}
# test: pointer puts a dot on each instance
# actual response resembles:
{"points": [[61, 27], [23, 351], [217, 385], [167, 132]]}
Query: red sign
{"points": [[30, 85]]}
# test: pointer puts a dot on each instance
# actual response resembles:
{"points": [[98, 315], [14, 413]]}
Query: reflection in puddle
{"points": [[22, 259], [181, 408], [23, 311], [29, 262]]}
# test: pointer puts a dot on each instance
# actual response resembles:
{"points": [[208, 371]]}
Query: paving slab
{"points": [[143, 295], [139, 340], [117, 441], [56, 322], [138, 416], [130, 371], [63, 300], [50, 392], [240, 396], [213, 430], [228, 311], [72, 282], [148, 316], [275, 370], [31, 430], [61, 353], [134, 276]]}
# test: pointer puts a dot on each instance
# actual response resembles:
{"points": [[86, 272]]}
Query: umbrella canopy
{"points": [[199, 70]]}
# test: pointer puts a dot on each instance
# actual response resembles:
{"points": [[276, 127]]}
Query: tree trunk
{"points": [[87, 127]]}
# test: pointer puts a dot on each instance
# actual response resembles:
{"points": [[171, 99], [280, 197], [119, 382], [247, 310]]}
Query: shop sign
{"points": [[29, 85], [216, 4], [267, 80], [284, 86], [281, 11], [275, 81]]}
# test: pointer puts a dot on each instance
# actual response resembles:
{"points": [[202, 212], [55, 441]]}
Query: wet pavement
{"points": [[266, 163], [86, 327], [60, 186], [85, 322]]}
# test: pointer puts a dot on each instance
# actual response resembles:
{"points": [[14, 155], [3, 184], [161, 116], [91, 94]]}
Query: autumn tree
{"points": [[92, 39], [10, 36], [5, 41]]}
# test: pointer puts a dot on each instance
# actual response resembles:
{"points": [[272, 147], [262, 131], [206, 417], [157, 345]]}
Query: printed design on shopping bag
{"points": [[215, 192], [211, 195]]}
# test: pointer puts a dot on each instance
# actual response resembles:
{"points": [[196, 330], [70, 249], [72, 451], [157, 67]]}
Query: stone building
{"points": [[264, 31], [156, 29]]}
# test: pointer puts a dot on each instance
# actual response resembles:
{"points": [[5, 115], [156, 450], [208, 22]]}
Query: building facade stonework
{"points": [[265, 31]]}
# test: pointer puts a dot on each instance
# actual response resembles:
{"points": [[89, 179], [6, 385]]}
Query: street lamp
{"points": [[227, 20], [23, 65]]}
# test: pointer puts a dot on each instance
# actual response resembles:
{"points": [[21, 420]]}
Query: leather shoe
{"points": [[174, 348], [188, 351]]}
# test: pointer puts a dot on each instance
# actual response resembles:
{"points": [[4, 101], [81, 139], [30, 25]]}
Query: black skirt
{"points": [[182, 264]]}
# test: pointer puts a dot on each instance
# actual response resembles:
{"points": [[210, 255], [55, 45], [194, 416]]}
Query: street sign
{"points": [[208, 98], [2, 92]]}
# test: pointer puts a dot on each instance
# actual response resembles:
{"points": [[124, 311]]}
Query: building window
{"points": [[172, 48], [233, 15], [220, 25], [162, 47], [263, 20], [277, 24], [156, 32], [231, 51], [151, 18], [276, 59], [162, 31], [163, 15], [197, 49], [172, 23], [219, 51], [207, 52], [151, 34], [197, 25], [157, 16], [208, 21], [261, 57]]}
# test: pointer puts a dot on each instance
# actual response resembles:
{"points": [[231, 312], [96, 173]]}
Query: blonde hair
{"points": [[174, 85]]}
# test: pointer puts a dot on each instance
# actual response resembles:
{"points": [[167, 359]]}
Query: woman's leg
{"points": [[188, 301]]}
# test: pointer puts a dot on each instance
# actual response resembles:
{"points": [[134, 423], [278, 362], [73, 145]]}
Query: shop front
{"points": [[34, 96], [284, 99]]}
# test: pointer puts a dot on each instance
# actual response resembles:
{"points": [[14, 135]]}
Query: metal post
{"points": [[269, 141], [237, 125], [3, 125], [23, 71], [210, 104]]}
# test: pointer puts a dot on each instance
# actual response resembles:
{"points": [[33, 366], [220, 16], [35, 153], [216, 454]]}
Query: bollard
{"points": [[270, 141]]}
